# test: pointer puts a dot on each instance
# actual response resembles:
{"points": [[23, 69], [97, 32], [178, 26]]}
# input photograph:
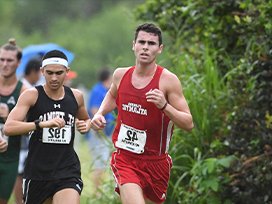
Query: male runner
{"points": [[52, 169], [10, 89], [150, 102]]}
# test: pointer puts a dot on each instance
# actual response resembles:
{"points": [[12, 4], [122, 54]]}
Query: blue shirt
{"points": [[96, 96]]}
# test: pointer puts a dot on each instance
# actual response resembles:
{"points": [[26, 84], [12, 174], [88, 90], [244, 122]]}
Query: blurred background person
{"points": [[99, 146], [32, 75], [10, 89]]}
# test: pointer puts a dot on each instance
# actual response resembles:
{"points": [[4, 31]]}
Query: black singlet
{"points": [[51, 154]]}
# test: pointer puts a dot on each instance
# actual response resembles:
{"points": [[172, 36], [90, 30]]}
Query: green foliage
{"points": [[208, 99], [96, 44], [228, 26], [205, 92], [269, 120], [207, 177], [32, 15], [104, 39]]}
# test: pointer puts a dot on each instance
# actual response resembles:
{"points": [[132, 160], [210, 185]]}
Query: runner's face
{"points": [[146, 48], [8, 62], [54, 75]]}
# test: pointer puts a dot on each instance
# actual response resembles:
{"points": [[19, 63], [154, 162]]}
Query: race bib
{"points": [[131, 139], [2, 132], [56, 136]]}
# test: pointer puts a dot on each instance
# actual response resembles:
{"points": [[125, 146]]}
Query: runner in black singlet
{"points": [[52, 170]]}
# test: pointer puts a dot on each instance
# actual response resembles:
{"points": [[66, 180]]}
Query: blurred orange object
{"points": [[71, 75]]}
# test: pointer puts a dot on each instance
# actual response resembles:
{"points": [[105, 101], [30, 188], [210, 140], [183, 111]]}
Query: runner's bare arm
{"points": [[14, 124], [108, 104], [177, 110], [83, 120], [171, 98]]}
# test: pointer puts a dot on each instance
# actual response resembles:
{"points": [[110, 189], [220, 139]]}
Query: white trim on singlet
{"points": [[161, 134], [168, 138]]}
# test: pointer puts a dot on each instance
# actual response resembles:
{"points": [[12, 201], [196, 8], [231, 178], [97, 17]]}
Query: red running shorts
{"points": [[151, 173]]}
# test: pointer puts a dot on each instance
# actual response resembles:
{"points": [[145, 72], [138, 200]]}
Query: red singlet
{"points": [[141, 116]]}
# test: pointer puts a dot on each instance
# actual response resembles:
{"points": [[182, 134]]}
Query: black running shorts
{"points": [[38, 191]]}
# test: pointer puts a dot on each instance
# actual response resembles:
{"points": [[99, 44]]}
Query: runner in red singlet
{"points": [[150, 102]]}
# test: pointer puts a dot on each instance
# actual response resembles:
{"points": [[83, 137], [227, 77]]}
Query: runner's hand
{"points": [[98, 122], [156, 96], [82, 126], [55, 122], [3, 145], [4, 111]]}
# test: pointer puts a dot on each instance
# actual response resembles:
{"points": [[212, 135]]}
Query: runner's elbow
{"points": [[7, 130], [189, 127]]}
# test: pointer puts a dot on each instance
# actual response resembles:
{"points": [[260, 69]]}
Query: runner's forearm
{"points": [[181, 119], [21, 127]]}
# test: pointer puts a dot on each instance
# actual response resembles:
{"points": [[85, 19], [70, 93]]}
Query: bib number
{"points": [[56, 136], [131, 139], [2, 132]]}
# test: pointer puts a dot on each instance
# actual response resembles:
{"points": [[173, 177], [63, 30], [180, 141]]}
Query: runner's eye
{"points": [[59, 73], [141, 41], [151, 43]]}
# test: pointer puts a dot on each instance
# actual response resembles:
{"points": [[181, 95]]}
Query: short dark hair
{"points": [[33, 64], [55, 53], [13, 47], [104, 74], [149, 28]]}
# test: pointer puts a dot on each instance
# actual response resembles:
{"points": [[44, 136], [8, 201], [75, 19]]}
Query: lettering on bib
{"points": [[131, 139], [56, 136]]}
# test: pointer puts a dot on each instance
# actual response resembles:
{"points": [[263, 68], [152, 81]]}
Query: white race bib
{"points": [[56, 136], [131, 139], [2, 132]]}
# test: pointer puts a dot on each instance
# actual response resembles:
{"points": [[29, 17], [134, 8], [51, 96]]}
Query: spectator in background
{"points": [[10, 89], [32, 73], [99, 149], [31, 77]]}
